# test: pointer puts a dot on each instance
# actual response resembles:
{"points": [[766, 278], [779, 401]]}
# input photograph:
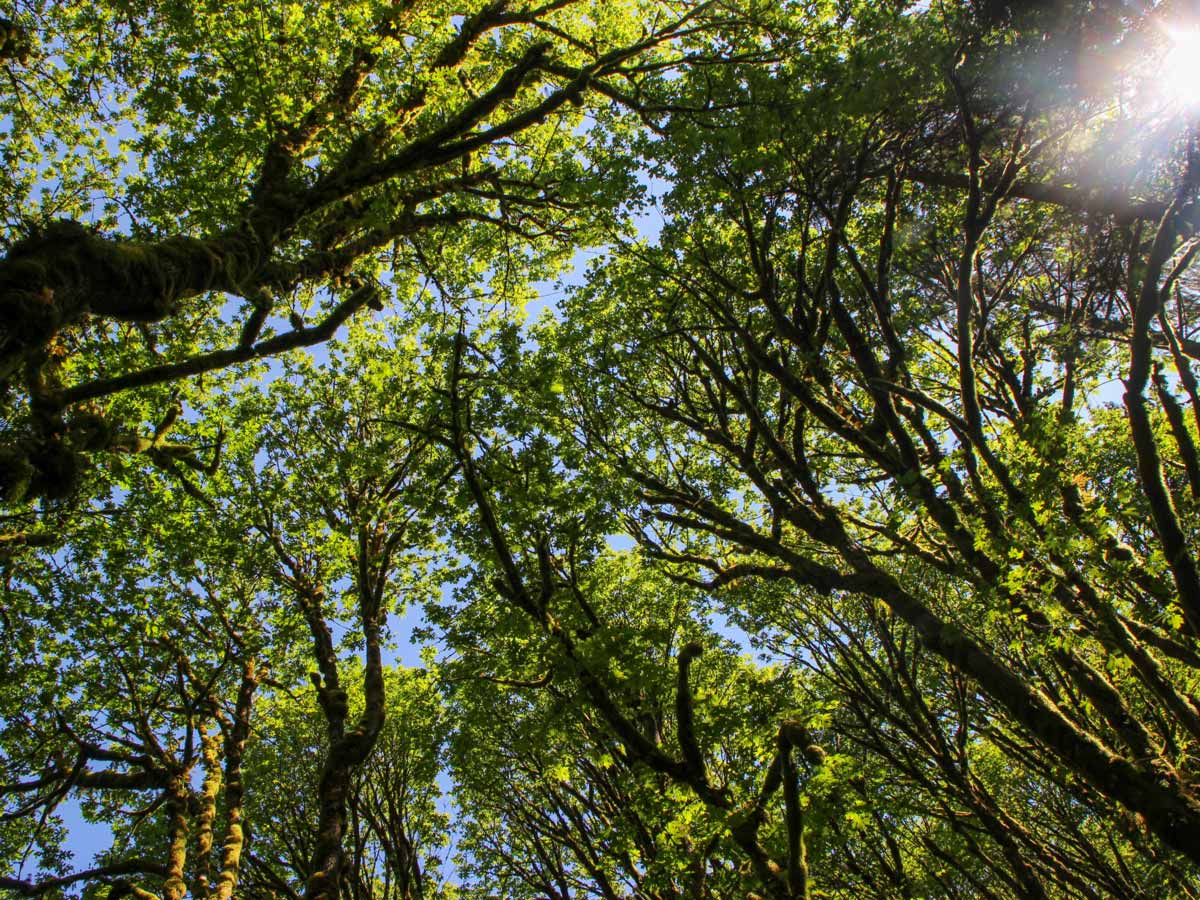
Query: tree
{"points": [[210, 595], [911, 609], [132, 692], [394, 832], [823, 399], [221, 184]]}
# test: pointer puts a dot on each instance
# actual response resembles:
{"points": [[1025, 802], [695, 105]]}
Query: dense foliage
{"points": [[832, 533]]}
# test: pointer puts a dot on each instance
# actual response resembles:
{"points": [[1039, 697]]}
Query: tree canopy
{"points": [[831, 531]]}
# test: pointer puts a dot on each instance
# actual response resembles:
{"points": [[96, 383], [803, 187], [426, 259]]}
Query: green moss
{"points": [[38, 467], [16, 474], [58, 468], [15, 41], [29, 317], [91, 431]]}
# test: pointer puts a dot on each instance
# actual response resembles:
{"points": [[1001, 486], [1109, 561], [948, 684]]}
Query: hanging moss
{"points": [[16, 474], [58, 468], [33, 296], [82, 271], [33, 468], [15, 41], [29, 317], [94, 432]]}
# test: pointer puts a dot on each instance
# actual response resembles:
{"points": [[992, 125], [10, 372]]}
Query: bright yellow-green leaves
{"points": [[710, 569]]}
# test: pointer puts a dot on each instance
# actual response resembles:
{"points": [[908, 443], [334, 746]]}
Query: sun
{"points": [[1178, 77]]}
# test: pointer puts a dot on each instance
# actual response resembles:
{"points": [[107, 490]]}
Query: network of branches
{"points": [[643, 450]]}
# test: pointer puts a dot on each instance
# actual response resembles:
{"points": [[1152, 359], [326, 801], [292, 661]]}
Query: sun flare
{"points": [[1178, 80]]}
